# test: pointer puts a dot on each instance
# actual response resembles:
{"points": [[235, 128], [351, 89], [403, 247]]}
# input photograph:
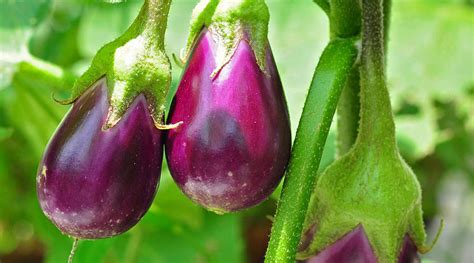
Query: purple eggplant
{"points": [[94, 183], [101, 168], [354, 247], [233, 146]]}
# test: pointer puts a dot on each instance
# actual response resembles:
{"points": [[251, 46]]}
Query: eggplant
{"points": [[100, 170], [231, 151], [94, 183]]}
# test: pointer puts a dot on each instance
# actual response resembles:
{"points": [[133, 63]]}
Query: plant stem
{"points": [[349, 104], [73, 250], [155, 19], [344, 18], [348, 113], [328, 80], [345, 21], [324, 5], [387, 7], [376, 124]]}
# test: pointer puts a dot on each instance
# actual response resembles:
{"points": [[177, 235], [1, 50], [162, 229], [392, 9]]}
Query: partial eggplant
{"points": [[354, 247]]}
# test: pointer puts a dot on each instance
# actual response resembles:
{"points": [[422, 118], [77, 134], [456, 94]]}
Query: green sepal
{"points": [[373, 187], [230, 21], [133, 64], [201, 17]]}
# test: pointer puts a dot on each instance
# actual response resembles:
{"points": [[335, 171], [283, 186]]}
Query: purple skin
{"points": [[355, 248], [233, 146], [93, 183]]}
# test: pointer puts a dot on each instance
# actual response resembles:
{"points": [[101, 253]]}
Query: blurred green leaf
{"points": [[32, 12], [56, 39], [5, 133], [176, 205], [102, 23], [435, 57]]}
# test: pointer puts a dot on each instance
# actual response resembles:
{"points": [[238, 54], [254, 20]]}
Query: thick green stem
{"points": [[344, 18], [328, 81], [376, 125]]}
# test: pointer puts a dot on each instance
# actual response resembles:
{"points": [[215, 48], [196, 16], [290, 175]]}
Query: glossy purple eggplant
{"points": [[354, 247], [233, 146], [94, 183]]}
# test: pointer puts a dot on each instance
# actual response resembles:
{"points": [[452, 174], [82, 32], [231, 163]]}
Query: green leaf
{"points": [[427, 57], [102, 23]]}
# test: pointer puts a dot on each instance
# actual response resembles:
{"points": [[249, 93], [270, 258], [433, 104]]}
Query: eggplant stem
{"points": [[73, 250]]}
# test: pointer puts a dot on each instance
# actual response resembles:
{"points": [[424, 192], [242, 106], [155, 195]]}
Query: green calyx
{"points": [[230, 21], [371, 185], [133, 64]]}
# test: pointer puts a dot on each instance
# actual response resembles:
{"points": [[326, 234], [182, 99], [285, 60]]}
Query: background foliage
{"points": [[430, 74]]}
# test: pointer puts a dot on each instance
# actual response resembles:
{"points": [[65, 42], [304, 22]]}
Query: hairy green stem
{"points": [[155, 20], [328, 81], [376, 124], [348, 110], [387, 7]]}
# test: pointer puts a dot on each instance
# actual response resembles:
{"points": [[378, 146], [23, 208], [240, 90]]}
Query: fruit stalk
{"points": [[155, 15], [376, 124], [349, 104]]}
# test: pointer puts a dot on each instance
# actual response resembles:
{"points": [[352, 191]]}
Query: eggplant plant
{"points": [[231, 151]]}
